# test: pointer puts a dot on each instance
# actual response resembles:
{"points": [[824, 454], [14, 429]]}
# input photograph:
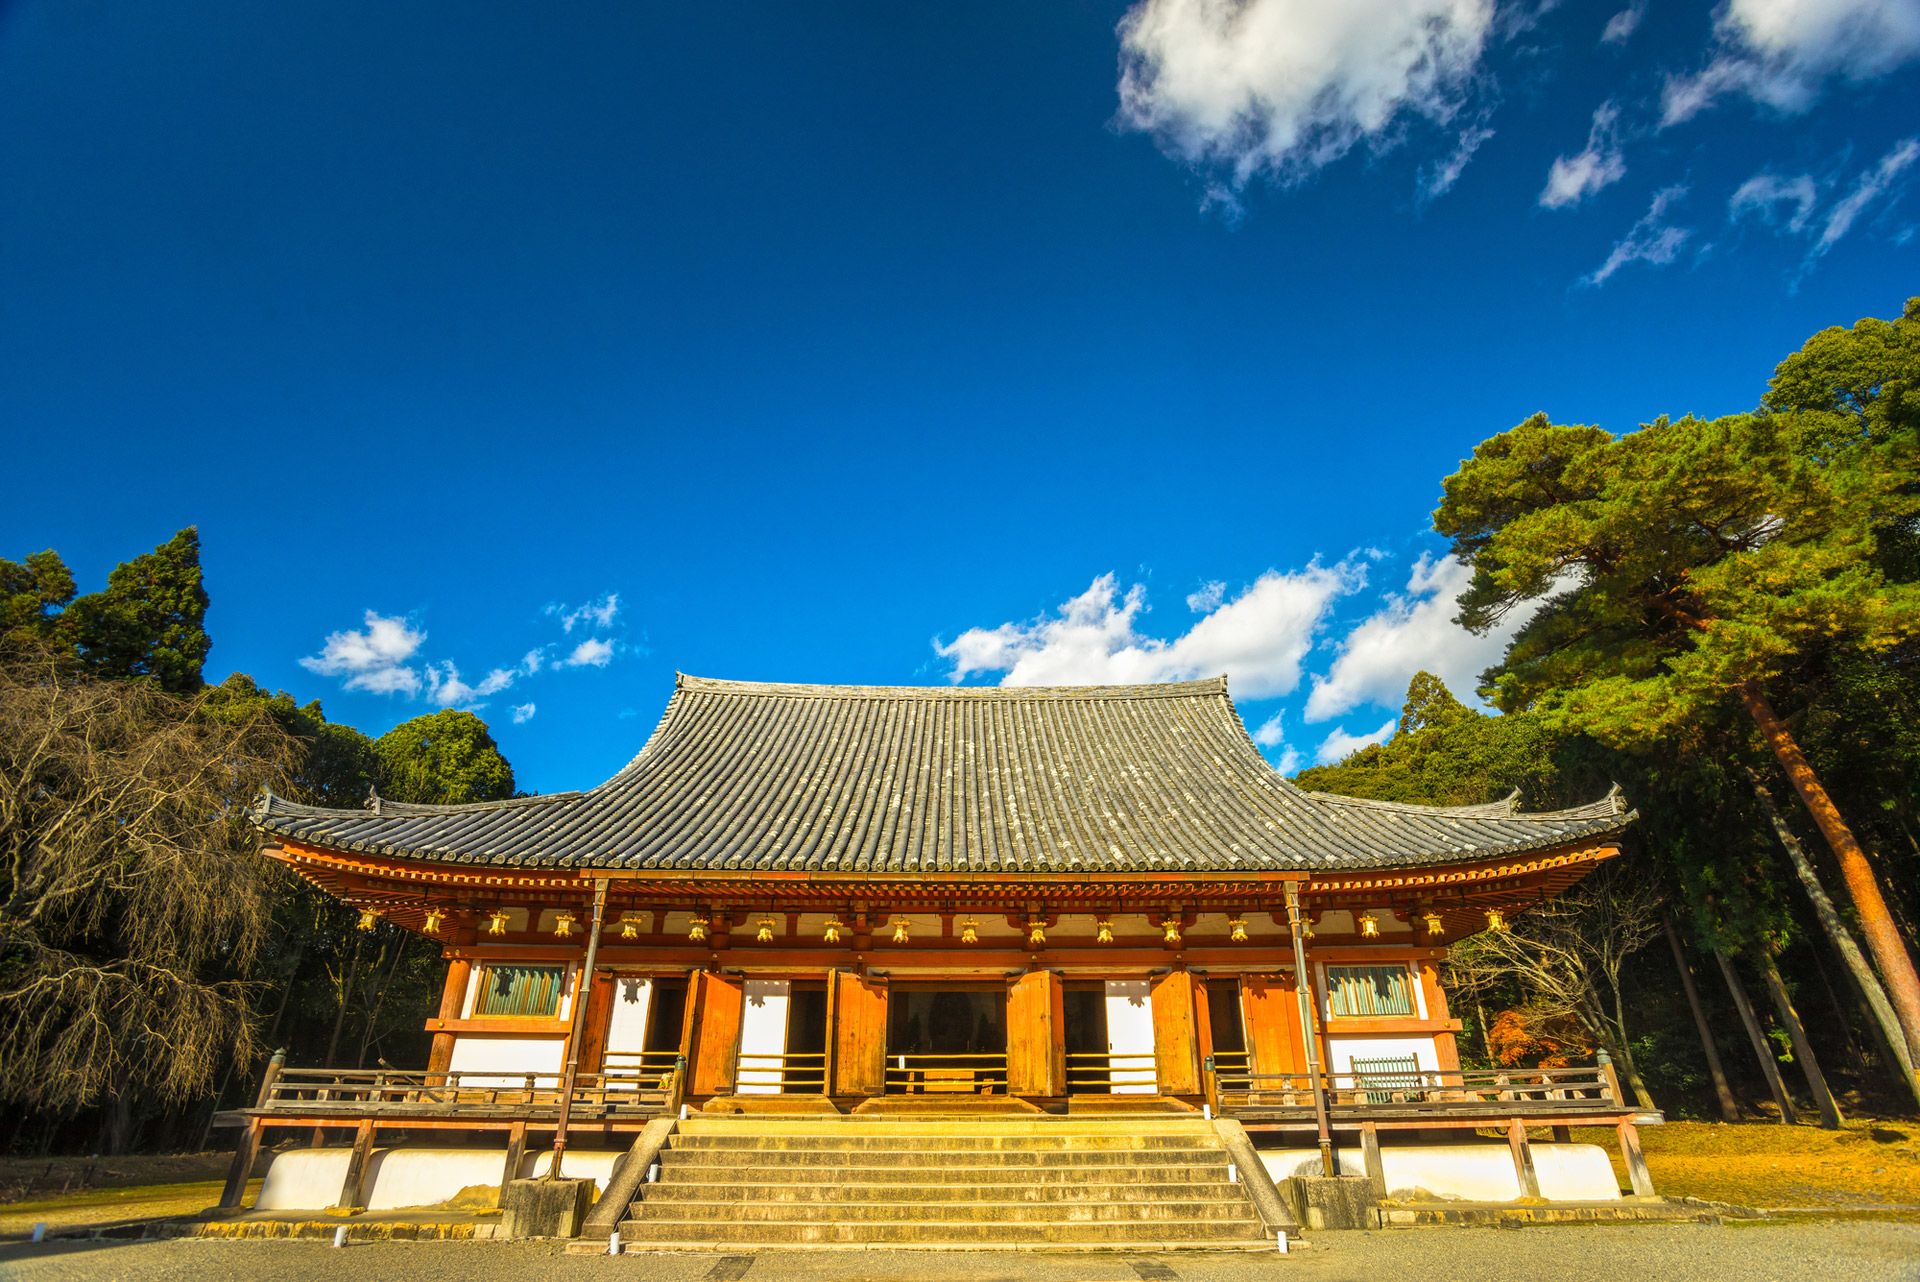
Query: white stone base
{"points": [[309, 1179], [1467, 1172]]}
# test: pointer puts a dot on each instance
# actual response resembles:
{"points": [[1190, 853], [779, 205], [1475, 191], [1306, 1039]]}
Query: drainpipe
{"points": [[1305, 985], [580, 994]]}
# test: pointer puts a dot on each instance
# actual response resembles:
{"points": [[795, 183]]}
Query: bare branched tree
{"points": [[133, 898], [1566, 955]]}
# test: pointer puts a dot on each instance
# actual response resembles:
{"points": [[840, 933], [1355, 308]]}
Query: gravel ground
{"points": [[1827, 1251]]}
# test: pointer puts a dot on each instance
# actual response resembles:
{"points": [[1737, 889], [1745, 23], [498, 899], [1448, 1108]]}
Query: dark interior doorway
{"points": [[1086, 1035], [806, 1038], [666, 1015], [1223, 1017]]}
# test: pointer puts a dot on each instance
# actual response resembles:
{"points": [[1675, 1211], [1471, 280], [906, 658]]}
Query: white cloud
{"points": [[1340, 743], [1257, 638], [598, 614], [373, 658], [1573, 178], [591, 653], [445, 687], [1650, 240], [1437, 179], [1622, 25], [1271, 735], [522, 713], [1762, 195], [530, 662], [1208, 598], [1781, 53], [1411, 633], [1871, 185], [1283, 87]]}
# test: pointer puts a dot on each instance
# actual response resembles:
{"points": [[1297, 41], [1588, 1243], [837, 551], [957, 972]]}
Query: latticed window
{"points": [[1359, 992], [519, 990]]}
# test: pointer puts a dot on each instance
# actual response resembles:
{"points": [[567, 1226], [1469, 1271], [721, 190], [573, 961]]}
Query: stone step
{"points": [[924, 1128], [943, 1185], [832, 1202], [1032, 1159], [957, 1233], [946, 1144], [945, 1212]]}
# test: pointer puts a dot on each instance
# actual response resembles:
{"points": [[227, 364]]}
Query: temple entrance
{"points": [[949, 1040]]}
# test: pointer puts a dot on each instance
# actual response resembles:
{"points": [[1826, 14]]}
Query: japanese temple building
{"points": [[811, 900]]}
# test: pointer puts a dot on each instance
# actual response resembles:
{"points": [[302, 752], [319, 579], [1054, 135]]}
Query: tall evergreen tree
{"points": [[150, 621]]}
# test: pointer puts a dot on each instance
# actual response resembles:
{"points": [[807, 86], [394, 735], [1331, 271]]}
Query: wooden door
{"points": [[714, 1003], [1176, 1039], [1272, 1008], [1036, 1035], [857, 1034], [593, 1029]]}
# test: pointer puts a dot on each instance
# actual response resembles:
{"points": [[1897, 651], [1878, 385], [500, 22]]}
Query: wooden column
{"points": [[1176, 1039], [353, 1189], [1446, 1048], [516, 1152], [857, 1033], [593, 1034], [1636, 1161], [1523, 1158], [714, 1004], [235, 1192], [1036, 1035], [1370, 1151], [453, 998]]}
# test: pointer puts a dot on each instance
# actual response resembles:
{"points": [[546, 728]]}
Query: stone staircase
{"points": [[1138, 1182]]}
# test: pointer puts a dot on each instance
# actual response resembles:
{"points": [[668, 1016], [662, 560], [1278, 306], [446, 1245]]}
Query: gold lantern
{"points": [[1369, 926], [1238, 926], [434, 918], [1037, 933], [369, 918], [1104, 926], [969, 931], [563, 925], [497, 921], [1434, 925], [900, 925], [1171, 928], [1495, 920], [834, 927], [697, 929], [629, 925], [765, 934]]}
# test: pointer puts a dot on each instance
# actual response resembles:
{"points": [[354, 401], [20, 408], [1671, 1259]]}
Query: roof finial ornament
{"points": [[263, 803], [373, 799]]}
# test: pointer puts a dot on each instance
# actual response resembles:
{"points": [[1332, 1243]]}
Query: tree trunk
{"points": [[1888, 1023], [1634, 1081], [1802, 1048], [373, 1016], [1843, 1015], [1883, 937], [346, 997], [1486, 1042], [1729, 1107], [1769, 1066]]}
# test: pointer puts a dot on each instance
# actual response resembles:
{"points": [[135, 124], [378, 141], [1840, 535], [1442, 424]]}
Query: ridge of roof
{"points": [[1154, 690]]}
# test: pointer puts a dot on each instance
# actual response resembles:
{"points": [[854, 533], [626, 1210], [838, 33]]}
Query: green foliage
{"points": [[338, 764], [32, 594], [1446, 754], [443, 758]]}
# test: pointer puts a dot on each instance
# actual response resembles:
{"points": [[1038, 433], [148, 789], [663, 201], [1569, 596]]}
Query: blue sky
{"points": [[516, 356]]}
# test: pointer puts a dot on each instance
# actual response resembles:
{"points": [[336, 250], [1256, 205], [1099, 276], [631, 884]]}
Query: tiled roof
{"points": [[902, 780]]}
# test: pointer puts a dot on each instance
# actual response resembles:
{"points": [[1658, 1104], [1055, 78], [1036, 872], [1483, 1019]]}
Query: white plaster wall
{"points": [[310, 1179], [1130, 1032], [1344, 1050], [1467, 1172], [511, 1057], [627, 1025], [763, 1031]]}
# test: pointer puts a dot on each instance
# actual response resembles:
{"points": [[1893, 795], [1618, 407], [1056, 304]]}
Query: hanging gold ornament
{"points": [[434, 918], [900, 925], [497, 921], [1369, 926], [629, 925], [369, 918], [1495, 920], [1171, 929], [969, 931], [1434, 925], [1104, 931], [697, 929], [1037, 933], [834, 927], [563, 925], [1238, 929], [765, 934]]}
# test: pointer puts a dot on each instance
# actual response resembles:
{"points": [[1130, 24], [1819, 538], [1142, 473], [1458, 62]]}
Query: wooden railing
{"points": [[1235, 1088], [791, 1072], [976, 1074], [1104, 1073], [457, 1093]]}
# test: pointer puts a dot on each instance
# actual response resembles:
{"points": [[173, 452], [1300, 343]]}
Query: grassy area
{"points": [[1766, 1164], [113, 1206]]}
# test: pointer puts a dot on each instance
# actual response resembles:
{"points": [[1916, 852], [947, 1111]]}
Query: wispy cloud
{"points": [[1257, 638], [1340, 743], [1574, 178], [1783, 53], [1411, 632], [1270, 735], [1622, 25], [1650, 240], [522, 713], [1870, 186], [1438, 178], [373, 658], [595, 614], [1762, 195], [1281, 88], [445, 687], [1790, 203], [594, 652]]}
